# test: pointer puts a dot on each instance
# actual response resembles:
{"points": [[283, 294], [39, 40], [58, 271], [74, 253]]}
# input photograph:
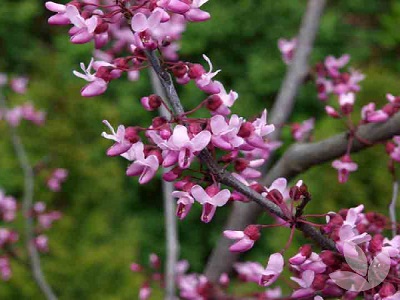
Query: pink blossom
{"points": [[275, 293], [60, 18], [180, 147], [185, 202], [227, 99], [140, 22], [14, 116], [249, 271], [205, 82], [246, 238], [97, 85], [5, 268], [370, 115], [287, 48], [144, 292], [176, 6], [305, 282], [46, 220], [333, 64], [303, 130], [41, 243], [332, 112], [19, 84], [146, 167], [195, 14], [121, 145], [225, 134], [260, 130], [273, 270], [301, 256], [344, 166], [211, 198], [83, 30]]}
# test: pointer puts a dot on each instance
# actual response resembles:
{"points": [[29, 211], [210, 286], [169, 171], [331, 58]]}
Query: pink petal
{"points": [[180, 136], [94, 88], [201, 140], [139, 22], [234, 234], [221, 198], [200, 194], [242, 245]]}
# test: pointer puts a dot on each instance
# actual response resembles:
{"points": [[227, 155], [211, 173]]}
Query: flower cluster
{"points": [[57, 177]]}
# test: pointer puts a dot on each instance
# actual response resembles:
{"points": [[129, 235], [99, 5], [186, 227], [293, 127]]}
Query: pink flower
{"points": [[176, 6], [140, 22], [211, 198], [97, 85], [303, 130], [260, 130], [42, 243], [204, 81], [305, 282], [246, 238], [195, 14], [227, 100], [303, 254], [346, 102], [185, 202], [19, 84], [145, 167], [60, 18], [5, 268], [8, 207], [370, 115], [14, 116], [330, 111], [180, 147], [273, 270], [333, 64], [287, 48], [225, 134], [344, 166], [83, 30], [121, 145], [144, 292], [249, 271]]}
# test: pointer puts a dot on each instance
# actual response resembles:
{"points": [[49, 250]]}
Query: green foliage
{"points": [[109, 220]]}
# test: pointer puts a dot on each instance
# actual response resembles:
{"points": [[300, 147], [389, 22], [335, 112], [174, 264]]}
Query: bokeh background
{"points": [[109, 219]]}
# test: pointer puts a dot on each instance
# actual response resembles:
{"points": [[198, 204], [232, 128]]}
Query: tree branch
{"points": [[221, 259], [171, 226], [219, 173], [34, 258]]}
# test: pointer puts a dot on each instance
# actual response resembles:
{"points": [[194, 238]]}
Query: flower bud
{"points": [[195, 71]]}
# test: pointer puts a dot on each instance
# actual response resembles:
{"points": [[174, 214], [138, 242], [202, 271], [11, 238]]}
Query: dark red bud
{"points": [[180, 70], [319, 281], [275, 196], [387, 290], [390, 146], [101, 28], [253, 232], [246, 130], [330, 258], [390, 109], [195, 71], [375, 245], [155, 101], [259, 188], [306, 250], [241, 164], [213, 102], [158, 121], [131, 134]]}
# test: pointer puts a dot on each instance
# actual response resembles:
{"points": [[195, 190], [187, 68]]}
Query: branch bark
{"points": [[34, 258], [171, 226], [221, 259]]}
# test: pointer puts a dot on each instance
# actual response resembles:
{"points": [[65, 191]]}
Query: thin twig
{"points": [[392, 207], [34, 258], [171, 226]]}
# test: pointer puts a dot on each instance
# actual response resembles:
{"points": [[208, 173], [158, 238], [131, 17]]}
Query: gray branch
{"points": [[34, 258], [171, 226]]}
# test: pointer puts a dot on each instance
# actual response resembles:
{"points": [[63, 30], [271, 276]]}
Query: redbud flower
{"points": [[225, 134], [305, 282], [287, 48], [151, 102], [97, 85], [60, 18], [227, 99], [19, 84], [245, 238], [273, 270], [185, 202], [195, 14], [346, 102], [369, 114], [41, 243], [249, 271], [121, 145], [333, 64], [331, 112], [145, 292], [140, 22], [304, 253], [211, 198], [303, 130], [146, 167], [344, 166], [83, 30], [205, 83], [176, 6]]}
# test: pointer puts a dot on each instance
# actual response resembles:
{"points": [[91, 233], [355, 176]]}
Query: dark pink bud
{"points": [[330, 258], [101, 27], [258, 187], [332, 112], [319, 281], [195, 71], [136, 267], [158, 121], [246, 130], [390, 109], [195, 128], [390, 146], [155, 261], [180, 70], [155, 101], [131, 134], [213, 102], [172, 174], [275, 196], [212, 190], [306, 250], [253, 232], [387, 290], [375, 245], [104, 73], [241, 164], [157, 153]]}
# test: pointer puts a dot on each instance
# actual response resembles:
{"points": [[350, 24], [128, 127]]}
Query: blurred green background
{"points": [[109, 220]]}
